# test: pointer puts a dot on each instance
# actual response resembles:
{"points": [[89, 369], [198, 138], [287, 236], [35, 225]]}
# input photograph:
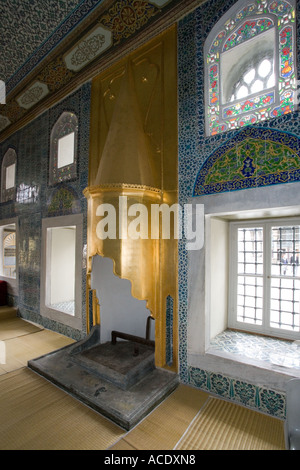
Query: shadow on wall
{"points": [[119, 310]]}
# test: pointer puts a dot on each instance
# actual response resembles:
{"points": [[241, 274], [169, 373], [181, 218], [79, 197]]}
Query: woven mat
{"points": [[36, 415], [13, 327], [20, 349], [222, 425], [162, 428], [8, 312]]}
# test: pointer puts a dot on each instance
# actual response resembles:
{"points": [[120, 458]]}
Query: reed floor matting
{"points": [[35, 414]]}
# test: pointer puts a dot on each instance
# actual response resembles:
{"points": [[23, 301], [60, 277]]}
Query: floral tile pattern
{"points": [[255, 158], [39, 19], [258, 398]]}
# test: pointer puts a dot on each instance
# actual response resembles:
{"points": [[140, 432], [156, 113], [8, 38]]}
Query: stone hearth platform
{"points": [[109, 378]]}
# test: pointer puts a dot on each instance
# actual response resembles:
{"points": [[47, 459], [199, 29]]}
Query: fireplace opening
{"points": [[119, 310]]}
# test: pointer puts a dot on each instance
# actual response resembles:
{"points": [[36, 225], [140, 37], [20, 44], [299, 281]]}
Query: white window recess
{"points": [[66, 147], [8, 176], [264, 282], [61, 277]]}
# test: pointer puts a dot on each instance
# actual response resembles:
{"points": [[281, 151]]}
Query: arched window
{"points": [[9, 252], [63, 149], [8, 175], [251, 65]]}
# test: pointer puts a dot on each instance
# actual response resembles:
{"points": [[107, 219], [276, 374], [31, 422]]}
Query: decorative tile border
{"points": [[188, 151], [255, 397], [169, 330]]}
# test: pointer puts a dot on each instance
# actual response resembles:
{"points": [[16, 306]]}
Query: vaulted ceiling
{"points": [[50, 47]]}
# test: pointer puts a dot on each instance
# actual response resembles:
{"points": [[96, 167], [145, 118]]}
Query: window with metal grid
{"points": [[250, 275], [264, 288], [285, 282]]}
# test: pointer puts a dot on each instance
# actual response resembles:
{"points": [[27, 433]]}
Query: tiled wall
{"points": [[32, 146], [195, 147]]}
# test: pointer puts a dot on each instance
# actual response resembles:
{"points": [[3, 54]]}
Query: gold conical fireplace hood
{"points": [[125, 179], [133, 158], [126, 157]]}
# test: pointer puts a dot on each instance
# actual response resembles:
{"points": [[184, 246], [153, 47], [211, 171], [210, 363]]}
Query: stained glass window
{"points": [[63, 149], [251, 65], [8, 175]]}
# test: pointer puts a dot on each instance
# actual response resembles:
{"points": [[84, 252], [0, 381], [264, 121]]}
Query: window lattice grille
{"points": [[267, 278], [250, 271]]}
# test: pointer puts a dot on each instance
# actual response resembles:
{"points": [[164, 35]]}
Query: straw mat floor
{"points": [[20, 328], [12, 326], [35, 414], [21, 341], [232, 427], [162, 429]]}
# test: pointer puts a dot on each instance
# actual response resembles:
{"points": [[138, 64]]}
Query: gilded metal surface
{"points": [[133, 154]]}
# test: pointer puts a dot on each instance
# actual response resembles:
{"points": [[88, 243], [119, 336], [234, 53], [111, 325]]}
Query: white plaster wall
{"points": [[119, 310], [62, 277], [219, 276], [74, 321]]}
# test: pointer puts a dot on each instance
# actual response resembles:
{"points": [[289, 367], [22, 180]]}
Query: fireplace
{"points": [[127, 363]]}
